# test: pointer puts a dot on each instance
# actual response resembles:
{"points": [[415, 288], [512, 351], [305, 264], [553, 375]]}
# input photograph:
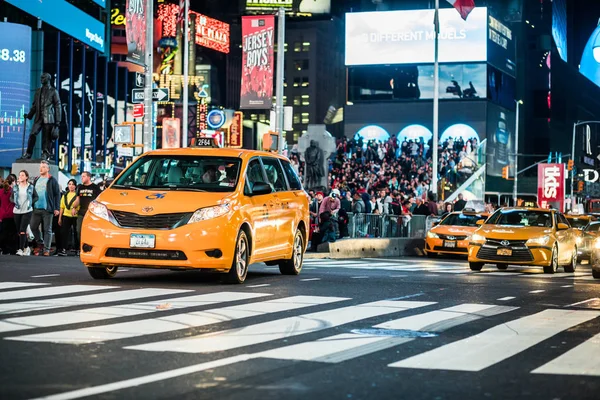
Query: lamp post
{"points": [[575, 125], [519, 103]]}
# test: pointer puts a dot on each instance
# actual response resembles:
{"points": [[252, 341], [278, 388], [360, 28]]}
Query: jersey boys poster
{"points": [[135, 30], [258, 38]]}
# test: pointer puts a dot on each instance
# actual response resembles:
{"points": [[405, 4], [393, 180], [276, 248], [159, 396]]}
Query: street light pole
{"points": [[519, 102], [575, 125], [148, 132], [280, 78]]}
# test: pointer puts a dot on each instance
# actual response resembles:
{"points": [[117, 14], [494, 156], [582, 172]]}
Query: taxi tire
{"points": [[475, 266], [596, 274], [432, 255], [572, 266], [293, 266], [502, 266], [552, 268], [103, 272], [241, 257]]}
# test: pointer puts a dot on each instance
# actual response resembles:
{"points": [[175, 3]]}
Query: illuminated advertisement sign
{"points": [[79, 25], [551, 186], [290, 6], [501, 46], [210, 33], [101, 3], [590, 59], [258, 39], [407, 37], [15, 53], [135, 30]]}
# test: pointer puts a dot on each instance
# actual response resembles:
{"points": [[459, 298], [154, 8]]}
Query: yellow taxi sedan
{"points": [[452, 234], [524, 236], [199, 208]]}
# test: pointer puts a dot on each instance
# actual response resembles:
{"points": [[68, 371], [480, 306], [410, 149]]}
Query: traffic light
{"points": [[74, 169], [505, 172], [570, 165], [580, 186]]}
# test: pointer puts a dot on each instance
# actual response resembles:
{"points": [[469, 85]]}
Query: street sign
{"points": [[138, 110], [158, 94], [140, 80]]}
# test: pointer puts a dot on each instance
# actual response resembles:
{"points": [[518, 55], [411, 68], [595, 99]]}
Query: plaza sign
{"points": [[551, 185]]}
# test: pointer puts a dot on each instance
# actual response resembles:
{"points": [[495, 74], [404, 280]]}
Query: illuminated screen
{"points": [[290, 6], [15, 53], [407, 37], [590, 60]]}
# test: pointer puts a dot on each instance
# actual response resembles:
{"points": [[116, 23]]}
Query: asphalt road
{"points": [[352, 329]]}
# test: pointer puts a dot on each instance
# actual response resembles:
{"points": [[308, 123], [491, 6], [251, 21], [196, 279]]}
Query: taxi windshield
{"points": [[460, 219], [521, 218], [593, 227], [578, 222], [180, 172]]}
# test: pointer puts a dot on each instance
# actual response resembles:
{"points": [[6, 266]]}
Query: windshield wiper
{"points": [[191, 189], [127, 187]]}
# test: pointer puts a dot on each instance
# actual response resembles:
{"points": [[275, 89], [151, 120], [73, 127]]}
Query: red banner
{"points": [[551, 186], [135, 30], [171, 133], [258, 39], [236, 130]]}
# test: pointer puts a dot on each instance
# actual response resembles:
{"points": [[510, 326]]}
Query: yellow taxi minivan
{"points": [[524, 236], [452, 234], [206, 208]]}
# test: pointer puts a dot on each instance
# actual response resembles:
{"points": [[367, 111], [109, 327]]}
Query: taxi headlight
{"points": [[478, 238], [99, 210], [539, 241], [578, 240], [432, 235], [203, 214], [597, 244]]}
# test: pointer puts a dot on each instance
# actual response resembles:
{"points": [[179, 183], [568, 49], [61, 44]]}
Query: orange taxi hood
{"points": [[505, 232], [454, 230], [160, 202]]}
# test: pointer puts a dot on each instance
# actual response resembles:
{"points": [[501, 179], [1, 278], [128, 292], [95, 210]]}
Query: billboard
{"points": [[171, 133], [15, 56], [551, 186], [407, 37], [258, 39], [212, 33], [290, 6], [500, 139], [501, 46], [236, 129], [590, 59], [67, 18], [135, 30]]}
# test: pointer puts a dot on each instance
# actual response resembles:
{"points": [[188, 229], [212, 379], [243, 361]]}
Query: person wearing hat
{"points": [[331, 203]]}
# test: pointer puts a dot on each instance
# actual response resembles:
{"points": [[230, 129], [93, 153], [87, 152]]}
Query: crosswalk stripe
{"points": [[578, 361], [282, 328], [178, 321], [125, 310], [50, 291], [38, 305], [498, 343], [346, 346], [12, 285]]}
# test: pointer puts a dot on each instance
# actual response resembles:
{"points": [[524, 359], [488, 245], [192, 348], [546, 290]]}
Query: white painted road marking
{"points": [[507, 298], [280, 329], [45, 276], [260, 285], [13, 285], [498, 343], [50, 291], [310, 279], [537, 291], [578, 361]]}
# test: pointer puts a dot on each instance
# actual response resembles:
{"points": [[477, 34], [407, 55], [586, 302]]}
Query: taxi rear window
{"points": [[179, 172]]}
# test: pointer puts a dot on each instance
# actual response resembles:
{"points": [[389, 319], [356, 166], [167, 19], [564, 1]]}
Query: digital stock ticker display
{"points": [[15, 53]]}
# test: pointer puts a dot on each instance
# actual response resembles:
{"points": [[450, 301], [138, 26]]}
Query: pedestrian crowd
{"points": [[32, 210]]}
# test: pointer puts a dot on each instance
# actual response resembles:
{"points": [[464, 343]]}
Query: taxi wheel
{"points": [[502, 266], [239, 266], [573, 264], [475, 266], [293, 266], [596, 273], [103, 272], [553, 267], [431, 255]]}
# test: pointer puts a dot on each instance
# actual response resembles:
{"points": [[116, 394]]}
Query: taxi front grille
{"points": [[452, 237], [158, 221], [518, 254], [451, 249], [506, 243], [144, 254]]}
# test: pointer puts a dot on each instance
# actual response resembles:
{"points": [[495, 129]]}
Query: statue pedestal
{"points": [[32, 166]]}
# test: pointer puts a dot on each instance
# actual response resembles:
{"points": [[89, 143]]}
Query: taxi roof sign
{"points": [[205, 142]]}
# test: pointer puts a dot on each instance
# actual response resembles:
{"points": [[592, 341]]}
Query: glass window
{"points": [[305, 46], [297, 100], [254, 174], [305, 82], [521, 218], [297, 82], [187, 173], [460, 219], [296, 118], [296, 136], [297, 47], [274, 174], [292, 178], [305, 118], [593, 227], [579, 223]]}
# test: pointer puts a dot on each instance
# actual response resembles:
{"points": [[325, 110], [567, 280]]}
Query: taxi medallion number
{"points": [[504, 252], [142, 241]]}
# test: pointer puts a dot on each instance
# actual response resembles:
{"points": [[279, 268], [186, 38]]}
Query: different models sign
{"points": [[551, 186], [171, 133], [79, 25], [212, 33], [258, 39], [236, 130], [407, 37], [290, 6], [15, 54], [135, 30]]}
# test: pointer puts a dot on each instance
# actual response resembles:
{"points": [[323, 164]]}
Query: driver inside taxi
{"points": [[210, 176]]}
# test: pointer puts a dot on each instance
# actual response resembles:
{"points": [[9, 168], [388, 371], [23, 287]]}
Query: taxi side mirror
{"points": [[562, 227], [480, 221], [435, 223], [260, 188]]}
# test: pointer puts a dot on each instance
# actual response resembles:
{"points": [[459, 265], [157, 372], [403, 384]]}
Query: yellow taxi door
{"points": [[259, 209], [565, 239], [283, 218]]}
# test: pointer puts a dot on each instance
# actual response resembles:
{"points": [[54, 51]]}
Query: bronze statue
{"points": [[46, 108], [314, 165]]}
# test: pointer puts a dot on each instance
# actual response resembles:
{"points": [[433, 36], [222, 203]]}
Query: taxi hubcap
{"points": [[241, 257], [297, 252], [110, 270], [554, 259]]}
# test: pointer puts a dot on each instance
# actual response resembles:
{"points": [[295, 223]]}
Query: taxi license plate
{"points": [[450, 244], [142, 241], [504, 252]]}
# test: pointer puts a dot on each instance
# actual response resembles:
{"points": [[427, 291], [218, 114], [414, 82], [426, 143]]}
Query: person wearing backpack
{"points": [[67, 218]]}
